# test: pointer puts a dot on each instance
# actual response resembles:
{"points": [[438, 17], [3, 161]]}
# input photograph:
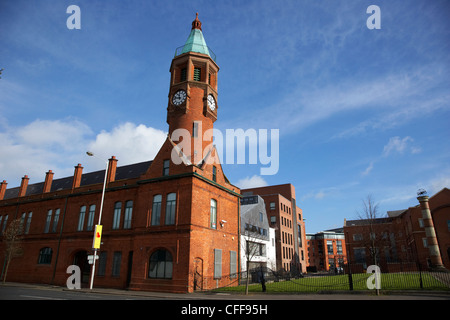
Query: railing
{"points": [[179, 51], [406, 278]]}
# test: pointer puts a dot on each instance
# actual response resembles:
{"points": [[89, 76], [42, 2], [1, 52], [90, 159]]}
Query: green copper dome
{"points": [[195, 42]]}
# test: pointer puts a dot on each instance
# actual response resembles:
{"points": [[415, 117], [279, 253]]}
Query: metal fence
{"points": [[398, 277]]}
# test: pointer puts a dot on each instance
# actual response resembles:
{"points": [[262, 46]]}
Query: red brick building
{"points": [[160, 217], [287, 218], [327, 251], [401, 240]]}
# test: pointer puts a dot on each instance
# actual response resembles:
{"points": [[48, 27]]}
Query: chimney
{"points": [[433, 246], [48, 181], [3, 189], [112, 166], [23, 186], [77, 176]]}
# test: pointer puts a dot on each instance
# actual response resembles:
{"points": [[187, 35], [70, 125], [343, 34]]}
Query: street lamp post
{"points": [[99, 217]]}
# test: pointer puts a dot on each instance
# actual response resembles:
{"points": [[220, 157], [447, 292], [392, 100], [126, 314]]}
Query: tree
{"points": [[11, 237], [253, 243], [370, 217]]}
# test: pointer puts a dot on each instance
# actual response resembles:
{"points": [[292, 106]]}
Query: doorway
{"points": [[80, 259], [198, 274]]}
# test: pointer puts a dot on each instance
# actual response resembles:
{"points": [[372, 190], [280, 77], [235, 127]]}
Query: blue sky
{"points": [[359, 111]]}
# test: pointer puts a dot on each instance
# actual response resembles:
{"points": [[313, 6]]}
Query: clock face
{"points": [[211, 102], [179, 97]]}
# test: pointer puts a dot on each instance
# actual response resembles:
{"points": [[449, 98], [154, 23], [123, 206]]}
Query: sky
{"points": [[359, 111]]}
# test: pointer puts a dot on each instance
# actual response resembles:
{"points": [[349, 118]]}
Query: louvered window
{"points": [[183, 75], [197, 74]]}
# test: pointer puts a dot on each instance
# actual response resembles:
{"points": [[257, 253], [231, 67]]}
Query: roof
{"points": [[362, 222], [396, 213], [196, 43], [122, 173]]}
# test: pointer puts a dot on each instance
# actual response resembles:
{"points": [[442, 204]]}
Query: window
{"points": [[128, 214], [55, 220], [233, 264], [160, 265], [102, 264], [330, 246], [217, 263], [357, 237], [197, 74], [183, 74], [81, 218], [339, 247], [27, 226], [49, 220], [214, 177], [273, 219], [425, 242], [22, 221], [45, 256], [421, 223], [360, 255], [116, 218], [90, 223], [156, 210], [261, 216], [195, 129], [4, 225], [117, 260], [166, 164], [171, 203], [213, 214], [272, 206]]}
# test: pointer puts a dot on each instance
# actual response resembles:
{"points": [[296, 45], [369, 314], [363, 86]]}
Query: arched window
{"points": [[160, 265], [45, 256]]}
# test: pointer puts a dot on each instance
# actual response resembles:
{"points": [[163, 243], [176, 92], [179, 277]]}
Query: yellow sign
{"points": [[97, 236]]}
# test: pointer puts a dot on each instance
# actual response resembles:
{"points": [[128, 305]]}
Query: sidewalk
{"points": [[347, 295]]}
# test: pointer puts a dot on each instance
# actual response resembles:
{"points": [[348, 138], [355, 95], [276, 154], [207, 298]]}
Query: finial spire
{"points": [[196, 24]]}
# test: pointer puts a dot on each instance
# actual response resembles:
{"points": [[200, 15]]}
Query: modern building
{"points": [[287, 219], [415, 237], [257, 237], [169, 224], [327, 251]]}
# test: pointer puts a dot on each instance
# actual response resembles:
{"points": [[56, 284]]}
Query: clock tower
{"points": [[192, 99]]}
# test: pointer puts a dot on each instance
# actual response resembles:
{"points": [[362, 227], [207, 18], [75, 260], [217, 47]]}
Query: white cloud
{"points": [[368, 169], [252, 182], [59, 145], [396, 144], [130, 143]]}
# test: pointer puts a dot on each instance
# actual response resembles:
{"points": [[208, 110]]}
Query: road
{"points": [[28, 293], [19, 291]]}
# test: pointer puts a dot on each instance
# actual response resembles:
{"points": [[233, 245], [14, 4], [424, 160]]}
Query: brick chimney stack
{"points": [[48, 181], [433, 247], [23, 186], [112, 166], [77, 176], [3, 189]]}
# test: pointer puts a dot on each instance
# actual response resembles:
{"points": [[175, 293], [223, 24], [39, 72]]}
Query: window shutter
{"points": [[217, 263]]}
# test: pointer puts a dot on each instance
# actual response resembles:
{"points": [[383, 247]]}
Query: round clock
{"points": [[179, 97], [211, 102]]}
